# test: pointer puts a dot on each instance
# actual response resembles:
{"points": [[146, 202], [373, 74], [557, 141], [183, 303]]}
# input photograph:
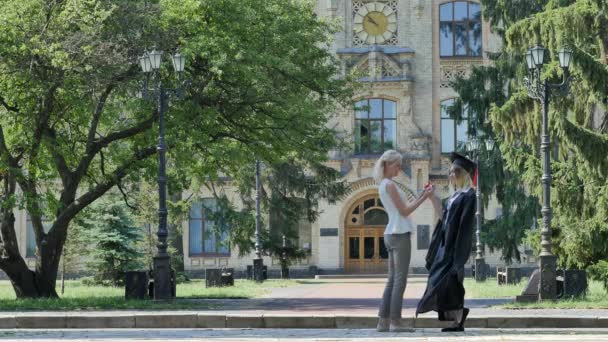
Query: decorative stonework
{"points": [[370, 182], [420, 146], [378, 63], [451, 70]]}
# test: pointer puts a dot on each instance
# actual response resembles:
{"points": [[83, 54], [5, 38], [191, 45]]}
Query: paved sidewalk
{"points": [[299, 335], [332, 304]]}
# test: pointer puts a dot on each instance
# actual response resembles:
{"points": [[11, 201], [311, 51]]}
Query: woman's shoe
{"points": [[383, 325], [397, 326], [460, 326]]}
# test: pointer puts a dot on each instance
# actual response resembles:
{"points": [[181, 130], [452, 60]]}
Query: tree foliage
{"points": [[578, 123], [290, 195], [72, 126], [112, 235]]}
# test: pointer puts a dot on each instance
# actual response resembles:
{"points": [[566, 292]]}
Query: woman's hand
{"points": [[429, 191]]}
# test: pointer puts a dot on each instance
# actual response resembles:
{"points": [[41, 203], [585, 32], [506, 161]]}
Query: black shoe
{"points": [[453, 329], [460, 326], [465, 313]]}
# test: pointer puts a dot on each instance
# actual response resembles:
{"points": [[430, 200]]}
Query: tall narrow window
{"points": [[460, 29], [453, 134], [375, 126], [203, 239]]}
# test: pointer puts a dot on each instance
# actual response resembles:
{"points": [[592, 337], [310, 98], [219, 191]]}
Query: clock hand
{"points": [[372, 20]]}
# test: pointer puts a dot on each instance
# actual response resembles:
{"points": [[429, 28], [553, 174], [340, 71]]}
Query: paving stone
{"points": [[430, 322], [100, 322], [244, 321], [8, 322], [602, 322], [476, 322], [563, 322], [166, 321], [211, 321], [41, 322], [356, 322], [299, 322], [509, 322]]}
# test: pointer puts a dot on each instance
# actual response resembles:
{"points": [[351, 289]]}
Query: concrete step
{"points": [[192, 320]]}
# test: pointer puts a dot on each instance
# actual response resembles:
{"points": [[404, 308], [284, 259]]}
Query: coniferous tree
{"points": [[291, 192], [578, 123], [113, 234]]}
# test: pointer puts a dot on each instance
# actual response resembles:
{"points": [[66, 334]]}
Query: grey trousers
{"points": [[399, 248]]}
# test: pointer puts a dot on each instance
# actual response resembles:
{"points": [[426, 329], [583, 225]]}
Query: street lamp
{"points": [[150, 63], [473, 147], [258, 262], [541, 90]]}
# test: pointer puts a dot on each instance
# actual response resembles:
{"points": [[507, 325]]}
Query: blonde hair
{"points": [[389, 156], [467, 180]]}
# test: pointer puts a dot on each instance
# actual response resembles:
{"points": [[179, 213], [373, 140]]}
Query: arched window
{"points": [[460, 29], [453, 134], [375, 126]]}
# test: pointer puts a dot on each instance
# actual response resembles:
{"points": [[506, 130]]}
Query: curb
{"points": [[276, 321]]}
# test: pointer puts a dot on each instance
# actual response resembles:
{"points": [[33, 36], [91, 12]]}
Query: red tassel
{"points": [[475, 175]]}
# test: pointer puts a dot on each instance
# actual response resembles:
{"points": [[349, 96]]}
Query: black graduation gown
{"points": [[449, 251]]}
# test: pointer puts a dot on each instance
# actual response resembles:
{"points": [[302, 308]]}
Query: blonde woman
{"points": [[450, 247], [396, 238]]}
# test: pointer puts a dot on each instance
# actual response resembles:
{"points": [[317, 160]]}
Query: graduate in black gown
{"points": [[450, 247]]}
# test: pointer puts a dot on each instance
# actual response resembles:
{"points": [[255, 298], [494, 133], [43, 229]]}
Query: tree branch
{"points": [[62, 166], [7, 106], [42, 124], [105, 141], [102, 101], [5, 153], [81, 202]]}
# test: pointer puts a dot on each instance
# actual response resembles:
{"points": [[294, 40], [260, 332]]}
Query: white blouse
{"points": [[397, 224]]}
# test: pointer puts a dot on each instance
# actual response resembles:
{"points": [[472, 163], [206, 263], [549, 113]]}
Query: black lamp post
{"points": [[150, 63], [473, 148], [541, 90], [258, 262]]}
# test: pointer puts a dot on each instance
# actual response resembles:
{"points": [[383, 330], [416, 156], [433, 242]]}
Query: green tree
{"points": [[290, 193], [112, 234], [578, 123], [72, 127], [75, 250], [144, 200]]}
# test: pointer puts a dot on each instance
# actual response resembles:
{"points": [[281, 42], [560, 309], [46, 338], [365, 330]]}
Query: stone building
{"points": [[407, 52]]}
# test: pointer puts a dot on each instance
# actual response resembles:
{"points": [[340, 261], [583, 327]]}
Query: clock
{"points": [[374, 23]]}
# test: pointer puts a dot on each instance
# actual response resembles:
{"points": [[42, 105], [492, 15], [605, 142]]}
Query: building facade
{"points": [[407, 52]]}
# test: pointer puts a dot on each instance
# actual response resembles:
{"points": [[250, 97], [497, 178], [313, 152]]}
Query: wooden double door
{"points": [[365, 250]]}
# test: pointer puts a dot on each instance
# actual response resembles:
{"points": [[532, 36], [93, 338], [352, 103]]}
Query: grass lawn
{"points": [[490, 289], [596, 298], [80, 297]]}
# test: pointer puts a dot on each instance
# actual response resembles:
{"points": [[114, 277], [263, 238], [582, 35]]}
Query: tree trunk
{"points": [[63, 275], [28, 283], [41, 282]]}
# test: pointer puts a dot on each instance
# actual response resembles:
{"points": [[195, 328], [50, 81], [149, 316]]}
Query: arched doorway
{"points": [[365, 251]]}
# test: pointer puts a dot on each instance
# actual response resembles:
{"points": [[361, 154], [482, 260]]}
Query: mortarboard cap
{"points": [[464, 162]]}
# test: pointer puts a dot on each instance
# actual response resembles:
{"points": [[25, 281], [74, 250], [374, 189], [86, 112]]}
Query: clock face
{"points": [[375, 23]]}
